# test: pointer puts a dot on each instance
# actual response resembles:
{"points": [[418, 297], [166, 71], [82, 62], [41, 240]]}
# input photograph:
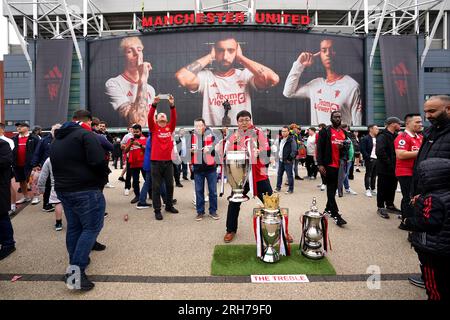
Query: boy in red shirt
{"points": [[407, 145], [136, 149]]}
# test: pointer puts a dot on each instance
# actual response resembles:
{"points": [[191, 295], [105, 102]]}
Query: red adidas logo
{"points": [[337, 93], [53, 78], [129, 94], [54, 73], [400, 69]]}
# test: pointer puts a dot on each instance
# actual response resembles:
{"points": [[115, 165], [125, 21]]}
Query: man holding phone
{"points": [[161, 155]]}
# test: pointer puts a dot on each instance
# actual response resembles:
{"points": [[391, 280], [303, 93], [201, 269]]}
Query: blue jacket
{"points": [[148, 151], [42, 151]]}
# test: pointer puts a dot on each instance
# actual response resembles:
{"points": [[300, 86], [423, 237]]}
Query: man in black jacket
{"points": [[435, 144], [7, 242], [387, 181], [329, 147], [430, 224], [286, 153], [368, 150], [25, 143], [77, 161]]}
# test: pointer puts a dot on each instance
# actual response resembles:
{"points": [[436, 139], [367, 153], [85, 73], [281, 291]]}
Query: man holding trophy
{"points": [[252, 139]]}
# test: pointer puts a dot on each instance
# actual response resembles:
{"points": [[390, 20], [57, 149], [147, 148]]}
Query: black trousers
{"points": [[176, 173], [135, 174], [180, 168], [234, 207], [48, 189], [115, 159], [435, 275], [128, 177], [386, 187], [405, 185], [162, 170], [311, 167], [331, 181], [371, 174]]}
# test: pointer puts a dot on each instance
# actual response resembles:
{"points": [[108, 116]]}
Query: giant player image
{"points": [[336, 92], [225, 82], [129, 93]]}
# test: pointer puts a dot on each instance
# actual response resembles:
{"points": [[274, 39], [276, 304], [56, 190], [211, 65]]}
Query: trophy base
{"points": [[270, 255], [238, 197], [313, 254]]}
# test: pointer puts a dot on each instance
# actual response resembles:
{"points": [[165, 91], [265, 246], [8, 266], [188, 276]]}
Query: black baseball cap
{"points": [[392, 120], [22, 124]]}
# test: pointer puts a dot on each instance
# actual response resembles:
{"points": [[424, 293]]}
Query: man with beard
{"points": [[330, 147], [430, 239], [225, 82], [335, 92], [387, 182], [129, 92]]}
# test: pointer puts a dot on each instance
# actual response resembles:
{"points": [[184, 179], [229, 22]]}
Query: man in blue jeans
{"points": [[78, 167], [287, 152], [204, 164]]}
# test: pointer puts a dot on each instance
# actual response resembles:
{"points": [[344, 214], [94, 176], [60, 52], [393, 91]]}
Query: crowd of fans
{"points": [[70, 168]]}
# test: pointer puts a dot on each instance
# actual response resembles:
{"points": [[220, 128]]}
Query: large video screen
{"points": [[280, 77]]}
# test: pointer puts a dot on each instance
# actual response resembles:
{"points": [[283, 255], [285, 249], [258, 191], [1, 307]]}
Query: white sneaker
{"points": [[206, 198], [351, 192], [126, 192], [398, 190], [35, 201], [323, 187], [369, 193], [194, 202], [23, 200], [109, 185]]}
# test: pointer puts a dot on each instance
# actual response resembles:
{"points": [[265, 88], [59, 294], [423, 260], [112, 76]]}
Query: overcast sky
{"points": [[3, 35]]}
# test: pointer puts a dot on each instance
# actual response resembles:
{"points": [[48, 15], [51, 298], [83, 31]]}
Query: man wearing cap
{"points": [[24, 146], [387, 181]]}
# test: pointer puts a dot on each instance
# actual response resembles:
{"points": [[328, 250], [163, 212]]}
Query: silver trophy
{"points": [[271, 229], [312, 233], [237, 165]]}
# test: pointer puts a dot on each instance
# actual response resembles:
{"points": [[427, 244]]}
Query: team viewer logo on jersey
{"points": [[326, 106]]}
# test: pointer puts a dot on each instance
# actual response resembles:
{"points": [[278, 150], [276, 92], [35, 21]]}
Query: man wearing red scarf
{"points": [[259, 180]]}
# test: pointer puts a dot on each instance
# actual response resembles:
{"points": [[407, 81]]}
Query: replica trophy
{"points": [[270, 227], [237, 166], [314, 229]]}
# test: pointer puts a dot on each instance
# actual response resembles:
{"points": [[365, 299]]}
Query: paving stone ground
{"points": [[179, 247]]}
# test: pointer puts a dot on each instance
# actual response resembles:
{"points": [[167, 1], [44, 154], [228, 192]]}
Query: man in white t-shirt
{"points": [[129, 92], [336, 92], [224, 82]]}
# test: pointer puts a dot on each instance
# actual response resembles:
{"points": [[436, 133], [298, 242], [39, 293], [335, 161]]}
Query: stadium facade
{"points": [[86, 22]]}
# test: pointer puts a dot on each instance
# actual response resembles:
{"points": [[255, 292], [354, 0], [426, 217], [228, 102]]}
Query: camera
{"points": [[226, 105]]}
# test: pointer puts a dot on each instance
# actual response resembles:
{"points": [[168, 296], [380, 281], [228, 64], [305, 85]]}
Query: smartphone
{"points": [[164, 96]]}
